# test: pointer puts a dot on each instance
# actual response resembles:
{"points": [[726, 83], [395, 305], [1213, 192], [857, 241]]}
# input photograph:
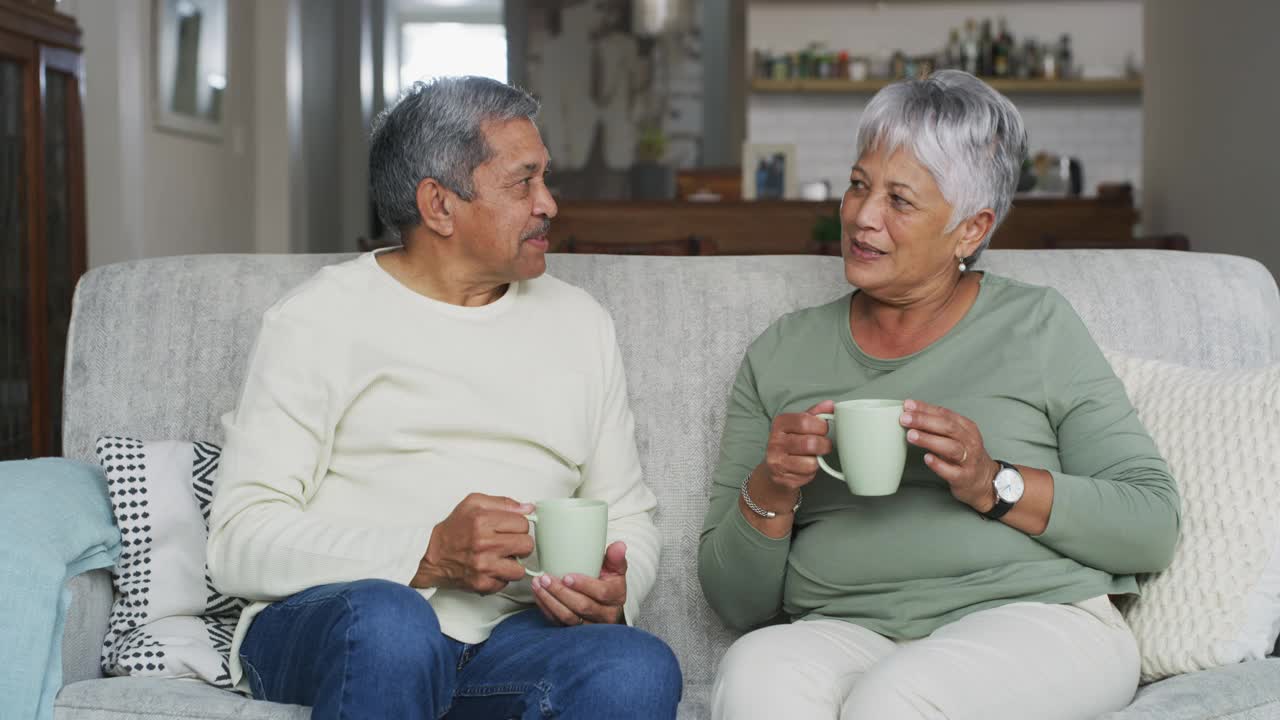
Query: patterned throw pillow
{"points": [[1219, 601], [167, 620]]}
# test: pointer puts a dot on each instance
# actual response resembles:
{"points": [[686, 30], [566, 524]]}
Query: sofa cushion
{"points": [[126, 698], [1219, 601], [1249, 691], [168, 620], [87, 616]]}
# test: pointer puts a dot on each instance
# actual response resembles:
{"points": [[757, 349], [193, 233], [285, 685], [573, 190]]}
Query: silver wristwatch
{"points": [[766, 514], [1009, 485]]}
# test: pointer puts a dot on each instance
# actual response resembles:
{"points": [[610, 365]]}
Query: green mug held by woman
{"points": [[871, 443]]}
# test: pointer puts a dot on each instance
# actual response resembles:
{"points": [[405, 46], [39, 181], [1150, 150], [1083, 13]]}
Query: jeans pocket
{"points": [[510, 699]]}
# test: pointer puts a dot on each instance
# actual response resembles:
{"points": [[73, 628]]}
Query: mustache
{"points": [[542, 229]]}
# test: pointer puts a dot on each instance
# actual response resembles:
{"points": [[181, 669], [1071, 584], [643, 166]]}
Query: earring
{"points": [[963, 267]]}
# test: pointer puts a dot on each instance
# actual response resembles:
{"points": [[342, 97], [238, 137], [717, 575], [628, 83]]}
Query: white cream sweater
{"points": [[370, 411]]}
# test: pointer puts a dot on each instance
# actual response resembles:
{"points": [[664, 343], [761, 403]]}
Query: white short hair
{"points": [[969, 137]]}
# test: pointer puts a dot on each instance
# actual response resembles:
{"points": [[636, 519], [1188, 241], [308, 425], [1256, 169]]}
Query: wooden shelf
{"points": [[1121, 86]]}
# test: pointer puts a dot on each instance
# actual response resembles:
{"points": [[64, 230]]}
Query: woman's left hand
{"points": [[954, 450]]}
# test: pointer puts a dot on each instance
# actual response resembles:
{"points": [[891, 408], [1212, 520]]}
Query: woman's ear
{"points": [[973, 230], [435, 206]]}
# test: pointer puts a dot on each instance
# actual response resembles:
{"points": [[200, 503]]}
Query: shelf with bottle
{"points": [[1029, 67], [1083, 86]]}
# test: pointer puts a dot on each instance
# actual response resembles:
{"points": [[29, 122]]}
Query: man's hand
{"points": [[578, 599], [476, 547]]}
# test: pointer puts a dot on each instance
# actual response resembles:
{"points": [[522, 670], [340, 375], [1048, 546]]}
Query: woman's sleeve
{"points": [[741, 569], [1115, 504]]}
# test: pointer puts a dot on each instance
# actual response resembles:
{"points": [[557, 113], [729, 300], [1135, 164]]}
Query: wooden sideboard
{"points": [[785, 227]]}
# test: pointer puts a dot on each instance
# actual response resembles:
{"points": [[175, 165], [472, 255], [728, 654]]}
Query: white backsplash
{"points": [[1104, 133]]}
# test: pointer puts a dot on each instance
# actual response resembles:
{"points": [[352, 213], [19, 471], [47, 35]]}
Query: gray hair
{"points": [[969, 137], [434, 131]]}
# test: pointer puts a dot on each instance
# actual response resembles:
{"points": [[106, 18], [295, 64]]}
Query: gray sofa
{"points": [[157, 349]]}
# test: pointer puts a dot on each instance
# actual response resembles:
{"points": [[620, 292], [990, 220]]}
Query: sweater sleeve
{"points": [[612, 473], [262, 544], [1115, 504], [741, 569]]}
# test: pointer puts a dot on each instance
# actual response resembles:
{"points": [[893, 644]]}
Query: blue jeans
{"points": [[374, 649]]}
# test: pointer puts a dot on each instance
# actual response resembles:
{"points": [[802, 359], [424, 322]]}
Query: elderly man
{"points": [[400, 413]]}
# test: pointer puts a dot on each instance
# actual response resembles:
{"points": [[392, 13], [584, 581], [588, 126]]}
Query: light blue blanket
{"points": [[55, 523]]}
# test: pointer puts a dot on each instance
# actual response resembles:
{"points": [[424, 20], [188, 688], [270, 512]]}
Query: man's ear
{"points": [[973, 230], [436, 204]]}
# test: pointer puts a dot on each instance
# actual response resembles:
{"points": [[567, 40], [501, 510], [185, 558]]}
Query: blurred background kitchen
{"points": [[1151, 124], [143, 128]]}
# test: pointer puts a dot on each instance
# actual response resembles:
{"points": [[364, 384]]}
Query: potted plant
{"points": [[651, 178]]}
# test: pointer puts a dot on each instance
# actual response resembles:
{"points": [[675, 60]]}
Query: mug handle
{"points": [[831, 424], [533, 520]]}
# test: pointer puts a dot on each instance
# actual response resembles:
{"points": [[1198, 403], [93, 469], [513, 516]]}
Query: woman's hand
{"points": [[954, 451], [790, 462], [795, 442]]}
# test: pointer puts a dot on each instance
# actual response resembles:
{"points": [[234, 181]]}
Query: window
{"points": [[431, 49]]}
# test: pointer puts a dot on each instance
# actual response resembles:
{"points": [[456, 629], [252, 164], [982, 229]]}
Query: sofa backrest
{"points": [[158, 347]]}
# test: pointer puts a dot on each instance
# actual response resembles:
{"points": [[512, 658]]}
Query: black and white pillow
{"points": [[167, 620]]}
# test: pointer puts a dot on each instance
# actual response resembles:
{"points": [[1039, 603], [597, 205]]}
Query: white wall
{"points": [[354, 89], [277, 102], [1212, 154], [151, 192], [114, 113], [1105, 133]]}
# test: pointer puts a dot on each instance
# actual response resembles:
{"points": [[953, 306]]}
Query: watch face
{"points": [[1009, 485]]}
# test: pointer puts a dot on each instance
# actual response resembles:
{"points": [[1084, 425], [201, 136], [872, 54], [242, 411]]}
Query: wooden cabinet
{"points": [[42, 219]]}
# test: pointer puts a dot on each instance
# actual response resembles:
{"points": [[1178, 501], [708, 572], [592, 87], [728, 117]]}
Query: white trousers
{"points": [[1023, 661]]}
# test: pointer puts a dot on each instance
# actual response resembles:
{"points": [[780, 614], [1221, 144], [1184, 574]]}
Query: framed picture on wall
{"points": [[189, 42], [768, 171]]}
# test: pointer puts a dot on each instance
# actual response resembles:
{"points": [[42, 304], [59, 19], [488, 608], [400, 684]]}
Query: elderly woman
{"points": [[1031, 491]]}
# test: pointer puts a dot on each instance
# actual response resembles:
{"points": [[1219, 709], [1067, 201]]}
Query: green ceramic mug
{"points": [[569, 534], [872, 444]]}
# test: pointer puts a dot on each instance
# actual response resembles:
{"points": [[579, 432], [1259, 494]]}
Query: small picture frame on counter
{"points": [[768, 171]]}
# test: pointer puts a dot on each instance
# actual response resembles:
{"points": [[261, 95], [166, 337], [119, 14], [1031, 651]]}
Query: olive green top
{"points": [[1022, 366]]}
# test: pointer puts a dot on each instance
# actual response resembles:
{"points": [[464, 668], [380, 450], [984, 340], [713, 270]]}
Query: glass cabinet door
{"points": [[62, 222], [16, 439], [42, 223]]}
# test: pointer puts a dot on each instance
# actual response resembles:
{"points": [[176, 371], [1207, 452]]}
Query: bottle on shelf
{"points": [[781, 66], [1065, 66], [898, 65], [1048, 62], [986, 46], [1028, 60], [953, 55], [1003, 51], [970, 47]]}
